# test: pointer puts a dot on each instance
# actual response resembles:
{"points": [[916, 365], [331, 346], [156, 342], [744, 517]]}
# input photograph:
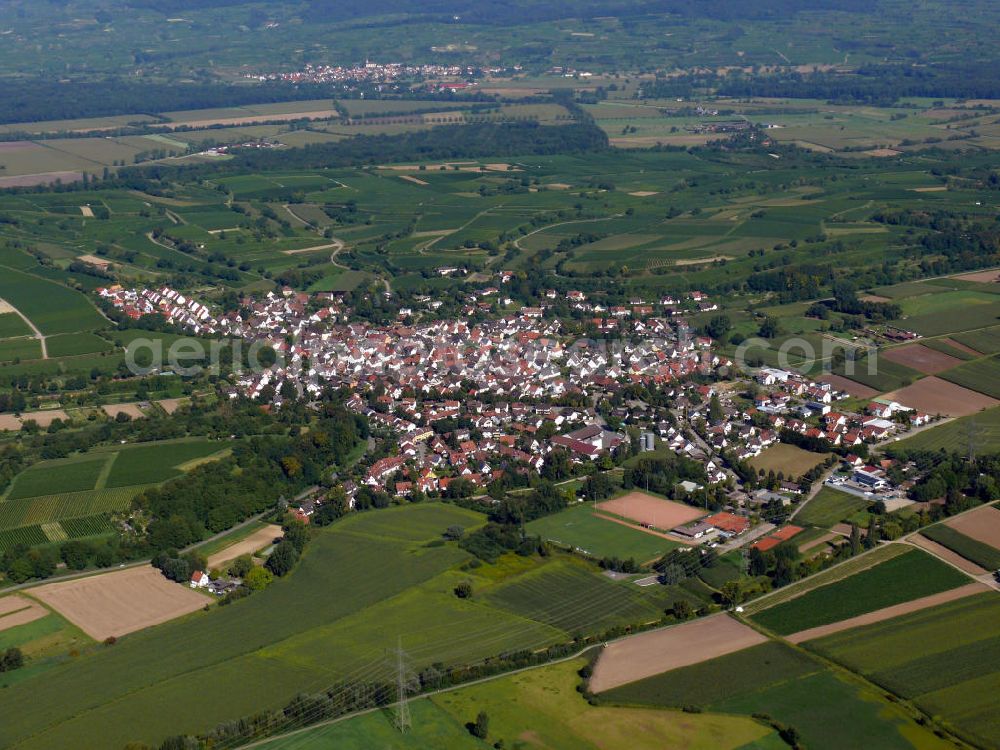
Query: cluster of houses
{"points": [[374, 72], [500, 378], [796, 403], [519, 355], [502, 434], [169, 303], [645, 315]]}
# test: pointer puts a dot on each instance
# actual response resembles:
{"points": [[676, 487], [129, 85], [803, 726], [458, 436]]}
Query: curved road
{"points": [[37, 334]]}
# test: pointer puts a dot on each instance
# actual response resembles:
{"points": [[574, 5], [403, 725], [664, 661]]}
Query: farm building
{"points": [[699, 530], [729, 523]]}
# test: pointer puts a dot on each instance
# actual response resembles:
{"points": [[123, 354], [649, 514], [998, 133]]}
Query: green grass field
{"points": [[789, 459], [363, 583], [971, 549], [830, 507], [579, 528], [11, 325], [76, 344], [954, 434], [158, 462], [715, 680], [828, 711], [888, 375], [20, 349], [940, 345], [986, 340], [52, 307], [726, 568], [983, 375], [58, 477], [838, 572], [944, 659], [538, 593], [534, 710], [908, 576]]}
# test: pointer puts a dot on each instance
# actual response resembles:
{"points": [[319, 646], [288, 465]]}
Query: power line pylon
{"points": [[973, 436], [402, 702]]}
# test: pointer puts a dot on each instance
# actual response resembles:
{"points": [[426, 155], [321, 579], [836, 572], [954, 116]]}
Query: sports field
{"points": [[910, 575], [944, 659], [649, 510], [580, 528]]}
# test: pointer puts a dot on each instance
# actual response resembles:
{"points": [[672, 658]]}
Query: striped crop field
{"points": [[29, 536], [46, 508], [78, 528], [54, 532]]}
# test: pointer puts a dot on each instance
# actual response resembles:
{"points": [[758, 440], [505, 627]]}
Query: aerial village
{"points": [[470, 401]]}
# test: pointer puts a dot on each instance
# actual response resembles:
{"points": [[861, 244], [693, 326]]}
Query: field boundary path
{"points": [[517, 242], [887, 613], [102, 478], [37, 334], [939, 550], [336, 246]]}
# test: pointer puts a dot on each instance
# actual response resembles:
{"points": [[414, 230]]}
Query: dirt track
{"points": [[256, 541], [939, 550], [888, 613], [658, 651], [322, 114], [817, 542], [120, 602], [650, 510]]}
